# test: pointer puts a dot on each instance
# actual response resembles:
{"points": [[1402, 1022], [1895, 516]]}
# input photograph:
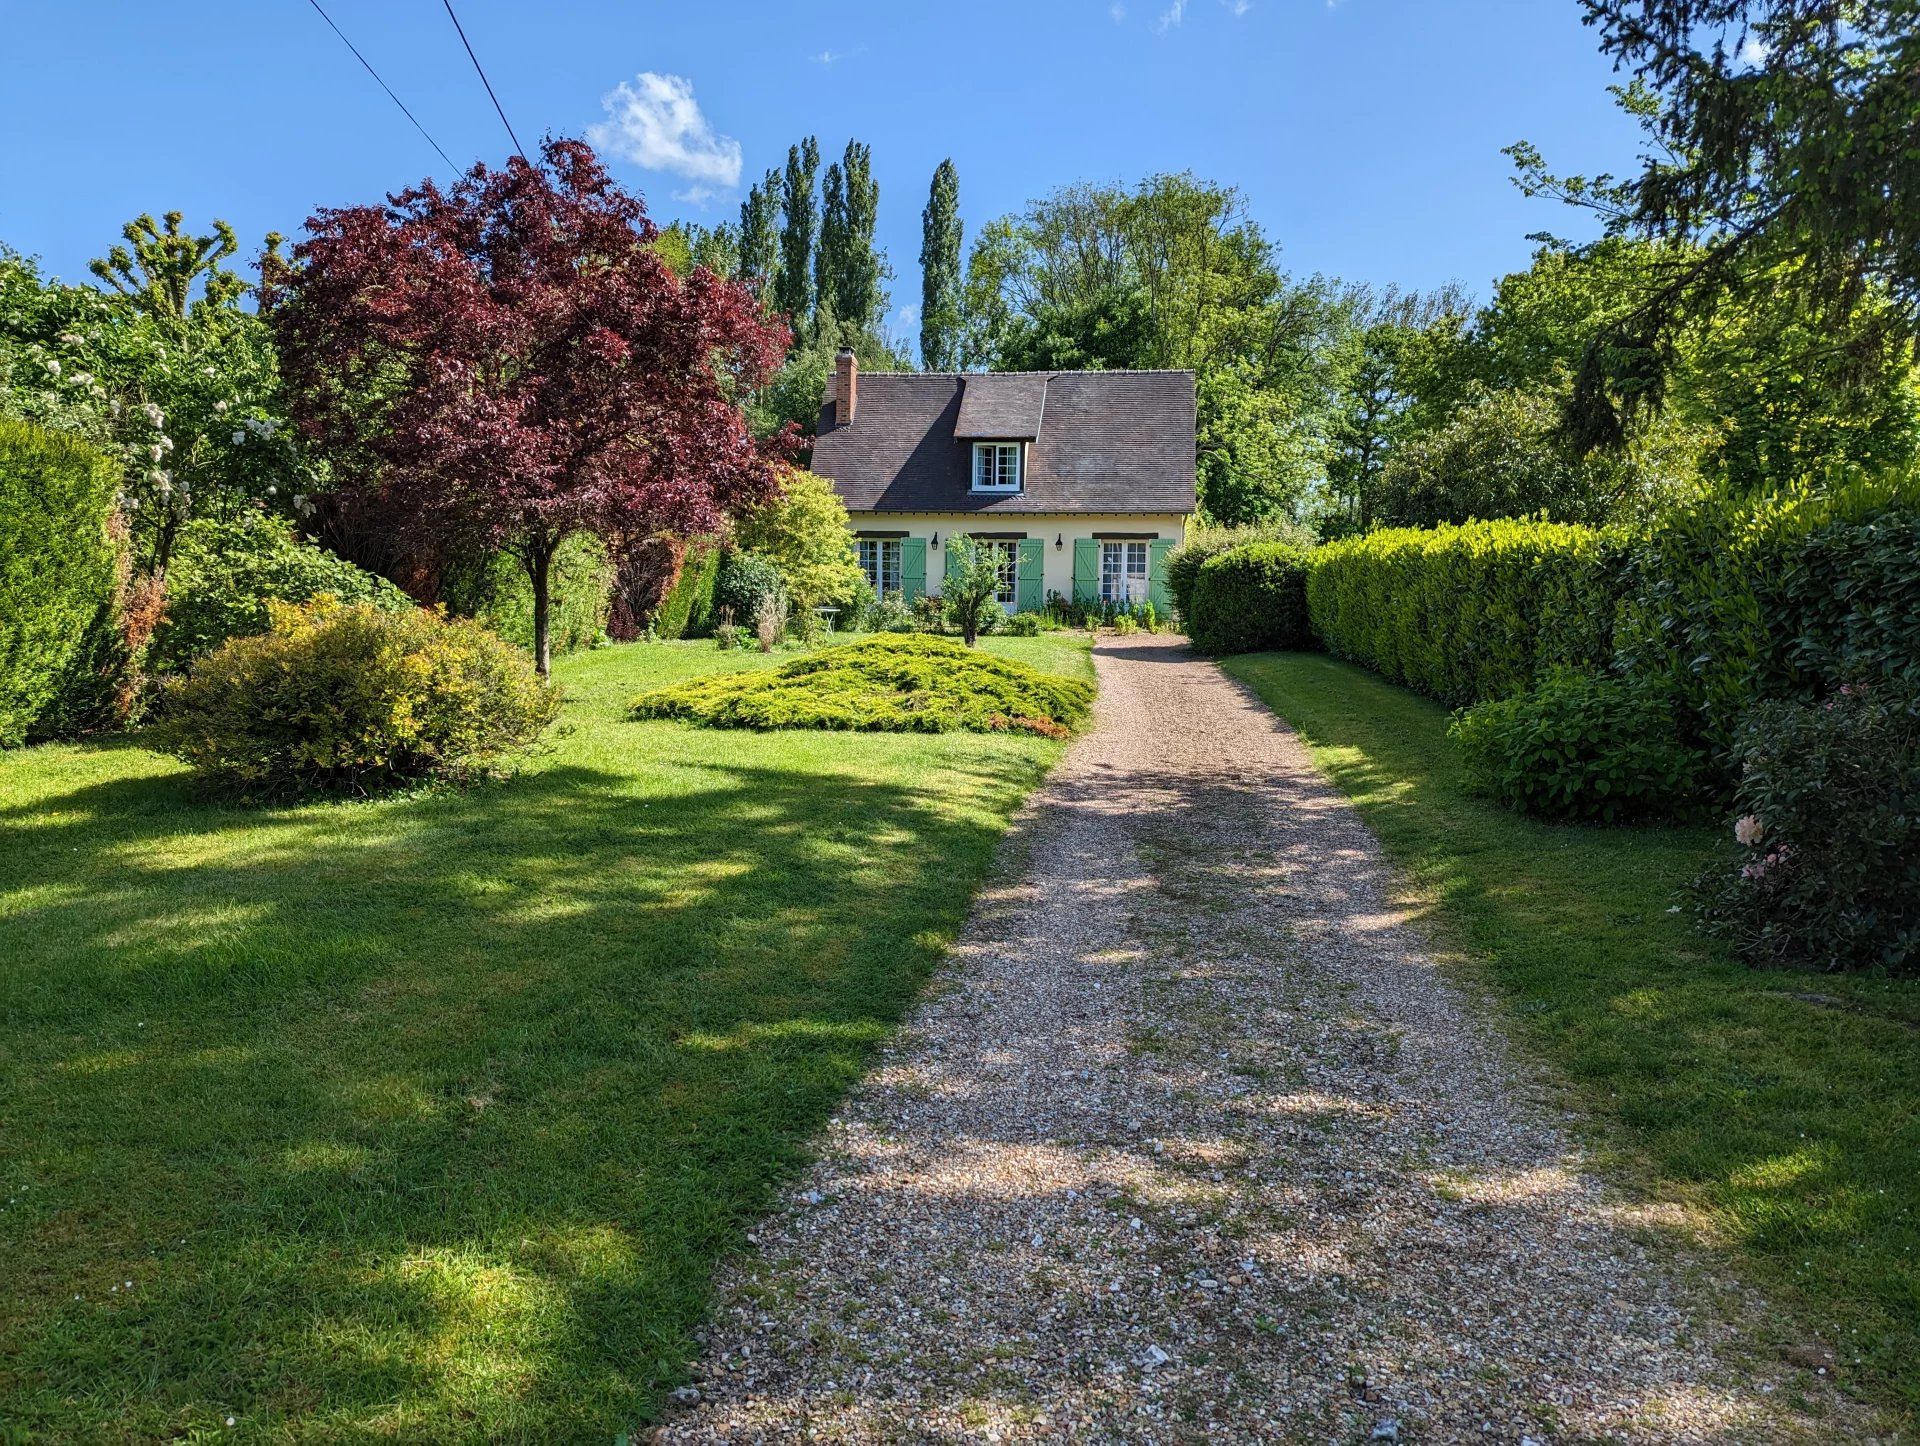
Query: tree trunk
{"points": [[539, 565]]}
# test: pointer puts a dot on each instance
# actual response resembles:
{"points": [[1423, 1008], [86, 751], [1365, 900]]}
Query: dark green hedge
{"points": [[1478, 611], [687, 609], [57, 563], [1251, 599]]}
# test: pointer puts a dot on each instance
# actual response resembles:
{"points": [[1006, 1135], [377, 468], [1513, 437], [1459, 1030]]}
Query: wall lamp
{"points": [[936, 539], [1060, 542]]}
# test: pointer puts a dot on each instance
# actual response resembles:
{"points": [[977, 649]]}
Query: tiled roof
{"points": [[1106, 441]]}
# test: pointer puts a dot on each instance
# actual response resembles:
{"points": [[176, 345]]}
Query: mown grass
{"points": [[429, 1117], [1784, 1107]]}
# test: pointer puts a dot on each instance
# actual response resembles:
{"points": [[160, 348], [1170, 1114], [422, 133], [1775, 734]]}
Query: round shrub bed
{"points": [[1250, 599], [349, 699]]}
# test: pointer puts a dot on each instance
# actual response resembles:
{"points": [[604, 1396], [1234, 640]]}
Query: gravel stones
{"points": [[1193, 1139]]}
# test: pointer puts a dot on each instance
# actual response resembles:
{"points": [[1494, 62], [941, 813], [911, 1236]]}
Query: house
{"points": [[1082, 482]]}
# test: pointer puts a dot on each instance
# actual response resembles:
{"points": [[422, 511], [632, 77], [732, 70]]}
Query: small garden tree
{"points": [[972, 587], [510, 362], [804, 531]]}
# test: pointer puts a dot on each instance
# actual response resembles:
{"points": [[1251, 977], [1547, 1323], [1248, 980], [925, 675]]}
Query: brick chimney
{"points": [[846, 386]]}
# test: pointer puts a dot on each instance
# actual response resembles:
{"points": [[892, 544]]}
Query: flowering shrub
{"points": [[351, 699], [57, 564], [1596, 749], [1822, 867], [1251, 598]]}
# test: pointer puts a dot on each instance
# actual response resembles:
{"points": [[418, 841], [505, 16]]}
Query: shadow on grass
{"points": [[406, 1117]]}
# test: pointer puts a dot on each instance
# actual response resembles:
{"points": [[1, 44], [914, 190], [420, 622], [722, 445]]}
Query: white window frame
{"points": [[991, 466], [1006, 555], [880, 560], [1121, 581]]}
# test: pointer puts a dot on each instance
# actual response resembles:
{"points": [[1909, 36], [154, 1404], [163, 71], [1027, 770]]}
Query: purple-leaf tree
{"points": [[508, 362]]}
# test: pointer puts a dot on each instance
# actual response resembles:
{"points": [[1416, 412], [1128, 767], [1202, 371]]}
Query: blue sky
{"points": [[1365, 134]]}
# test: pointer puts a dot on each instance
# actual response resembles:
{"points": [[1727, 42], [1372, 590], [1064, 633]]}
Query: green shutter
{"points": [[913, 567], [1086, 570], [1031, 570], [1157, 594]]}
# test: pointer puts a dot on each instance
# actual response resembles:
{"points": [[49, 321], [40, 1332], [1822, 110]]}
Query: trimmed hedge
{"points": [[1184, 562], [1251, 599], [57, 563], [1469, 613], [687, 609]]}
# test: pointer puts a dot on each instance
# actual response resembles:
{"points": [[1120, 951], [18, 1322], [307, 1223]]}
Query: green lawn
{"points": [[429, 1117], [1784, 1107]]}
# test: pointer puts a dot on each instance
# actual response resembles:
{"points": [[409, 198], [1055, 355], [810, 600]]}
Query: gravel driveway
{"points": [[1193, 1139]]}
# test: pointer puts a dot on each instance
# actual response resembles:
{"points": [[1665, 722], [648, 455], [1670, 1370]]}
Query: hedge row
{"points": [[1250, 598], [58, 563], [1482, 610]]}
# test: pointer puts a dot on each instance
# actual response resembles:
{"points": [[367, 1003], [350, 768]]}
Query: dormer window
{"points": [[996, 466]]}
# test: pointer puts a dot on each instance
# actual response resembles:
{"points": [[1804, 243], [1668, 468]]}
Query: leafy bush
{"points": [[225, 574], [1025, 625], [1582, 747], [1470, 613], [803, 532], [889, 614], [915, 684], [727, 636], [495, 591], [1823, 869], [971, 588], [1733, 600], [1251, 598], [57, 563], [350, 699], [688, 609], [745, 582], [1184, 562]]}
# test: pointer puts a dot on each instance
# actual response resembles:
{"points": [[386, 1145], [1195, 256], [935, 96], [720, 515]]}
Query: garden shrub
{"points": [[1470, 613], [1251, 598], [349, 698], [1184, 562], [1024, 625], [889, 614], [58, 563], [802, 530], [1734, 599], [496, 591], [224, 575], [907, 684], [687, 610], [1823, 866], [746, 580], [1582, 747]]}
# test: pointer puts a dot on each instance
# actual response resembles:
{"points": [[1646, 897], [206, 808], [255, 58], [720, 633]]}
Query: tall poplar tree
{"points": [[940, 272], [760, 235], [858, 269], [793, 287], [829, 258]]}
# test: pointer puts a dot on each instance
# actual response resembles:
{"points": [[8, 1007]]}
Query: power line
{"points": [[519, 149], [383, 85]]}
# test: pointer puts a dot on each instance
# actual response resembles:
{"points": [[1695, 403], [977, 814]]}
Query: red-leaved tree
{"points": [[508, 362]]}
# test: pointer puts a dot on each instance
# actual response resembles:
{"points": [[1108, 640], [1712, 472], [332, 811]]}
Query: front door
{"points": [[1123, 573]]}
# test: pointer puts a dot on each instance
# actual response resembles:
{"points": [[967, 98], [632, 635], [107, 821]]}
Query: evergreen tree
{"points": [[793, 286], [829, 258], [940, 272], [760, 235], [858, 269]]}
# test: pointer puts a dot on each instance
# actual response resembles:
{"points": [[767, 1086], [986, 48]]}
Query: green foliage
{"points": [[759, 244], [349, 699], [1025, 625], [687, 609], [1503, 455], [1823, 870], [1470, 613], [57, 563], [1251, 598], [496, 591], [1201, 543], [793, 291], [802, 530], [226, 574], [940, 287], [906, 684], [848, 269], [889, 614], [746, 582], [971, 588], [1582, 747], [1790, 596]]}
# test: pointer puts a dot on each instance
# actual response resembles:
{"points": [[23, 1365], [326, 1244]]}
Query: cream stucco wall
{"points": [[1057, 529]]}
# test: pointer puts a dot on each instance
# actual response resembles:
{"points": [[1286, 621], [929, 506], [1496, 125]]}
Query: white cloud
{"points": [[1118, 12], [1173, 14], [909, 315], [656, 124], [1755, 51], [827, 57], [1237, 8]]}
